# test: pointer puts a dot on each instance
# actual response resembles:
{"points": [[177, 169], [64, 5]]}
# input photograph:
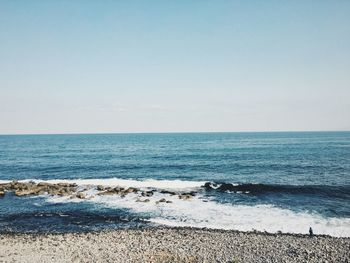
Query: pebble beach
{"points": [[172, 245]]}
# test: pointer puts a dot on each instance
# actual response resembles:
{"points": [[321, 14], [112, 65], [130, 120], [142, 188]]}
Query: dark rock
{"points": [[147, 193], [131, 190], [108, 192], [185, 196], [101, 188], [167, 192], [45, 184], [81, 195], [144, 201]]}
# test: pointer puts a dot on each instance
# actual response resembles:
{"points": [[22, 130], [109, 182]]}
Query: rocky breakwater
{"points": [[32, 188], [144, 195], [73, 191]]}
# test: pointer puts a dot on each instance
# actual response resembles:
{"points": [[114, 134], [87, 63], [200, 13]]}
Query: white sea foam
{"points": [[210, 214], [197, 213]]}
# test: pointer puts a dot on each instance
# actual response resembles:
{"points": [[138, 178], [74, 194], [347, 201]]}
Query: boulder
{"points": [[185, 196], [63, 184], [131, 190], [100, 188], [2, 193], [140, 200], [80, 195], [167, 192], [6, 186], [147, 193], [44, 184], [23, 192], [108, 192]]}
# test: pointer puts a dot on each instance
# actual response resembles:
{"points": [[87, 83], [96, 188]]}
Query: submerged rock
{"points": [[163, 200], [147, 193], [167, 192], [143, 201], [185, 196]]}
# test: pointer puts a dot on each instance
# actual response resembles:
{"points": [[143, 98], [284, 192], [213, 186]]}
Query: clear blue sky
{"points": [[162, 66]]}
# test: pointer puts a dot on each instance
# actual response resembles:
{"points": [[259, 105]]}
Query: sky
{"points": [[174, 66]]}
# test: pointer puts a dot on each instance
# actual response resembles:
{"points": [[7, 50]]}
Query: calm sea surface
{"points": [[265, 181]]}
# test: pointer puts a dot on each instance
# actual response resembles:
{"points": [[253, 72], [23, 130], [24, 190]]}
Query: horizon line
{"points": [[169, 132]]}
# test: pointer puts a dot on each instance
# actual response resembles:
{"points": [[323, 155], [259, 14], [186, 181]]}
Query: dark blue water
{"points": [[306, 174]]}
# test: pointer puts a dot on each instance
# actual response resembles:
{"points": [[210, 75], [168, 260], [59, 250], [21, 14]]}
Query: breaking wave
{"points": [[259, 189]]}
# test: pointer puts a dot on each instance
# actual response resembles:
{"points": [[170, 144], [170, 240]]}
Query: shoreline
{"points": [[172, 244], [178, 228]]}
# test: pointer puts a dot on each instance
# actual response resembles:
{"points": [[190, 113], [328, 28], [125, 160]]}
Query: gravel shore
{"points": [[172, 245]]}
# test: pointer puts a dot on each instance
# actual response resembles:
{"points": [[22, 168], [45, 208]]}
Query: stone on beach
{"points": [[176, 245]]}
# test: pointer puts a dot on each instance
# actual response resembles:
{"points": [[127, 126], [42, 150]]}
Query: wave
{"points": [[258, 189], [205, 212]]}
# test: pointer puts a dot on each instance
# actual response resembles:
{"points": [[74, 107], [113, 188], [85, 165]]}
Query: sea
{"points": [[265, 181]]}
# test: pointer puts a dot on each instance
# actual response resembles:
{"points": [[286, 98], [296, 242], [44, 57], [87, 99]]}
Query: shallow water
{"points": [[263, 181]]}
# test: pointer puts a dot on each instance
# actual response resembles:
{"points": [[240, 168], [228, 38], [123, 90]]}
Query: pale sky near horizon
{"points": [[172, 66]]}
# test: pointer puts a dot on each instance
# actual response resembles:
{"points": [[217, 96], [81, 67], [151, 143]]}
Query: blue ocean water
{"points": [[284, 181]]}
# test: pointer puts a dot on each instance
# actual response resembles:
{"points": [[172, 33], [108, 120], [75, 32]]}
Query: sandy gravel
{"points": [[172, 245]]}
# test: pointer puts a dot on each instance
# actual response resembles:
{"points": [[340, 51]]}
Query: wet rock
{"points": [[162, 200], [147, 193], [167, 192], [108, 192], [6, 186], [113, 191], [81, 195], [24, 192], [101, 188], [44, 184], [65, 191], [32, 188], [185, 196], [169, 202], [2, 193], [66, 184], [143, 201], [131, 190]]}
